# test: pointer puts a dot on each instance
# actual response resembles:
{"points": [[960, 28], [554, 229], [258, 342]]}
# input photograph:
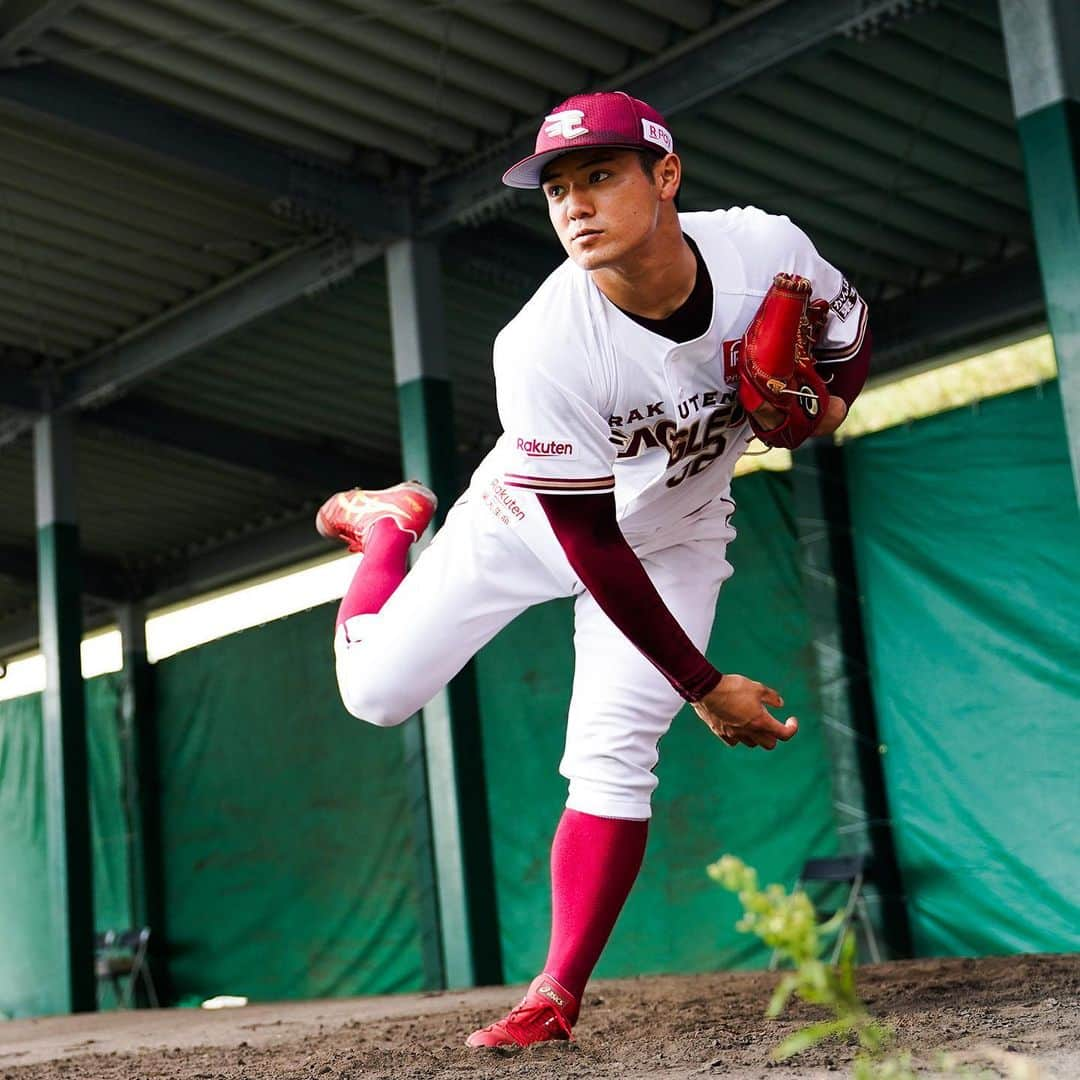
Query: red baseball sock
{"points": [[384, 563], [594, 862]]}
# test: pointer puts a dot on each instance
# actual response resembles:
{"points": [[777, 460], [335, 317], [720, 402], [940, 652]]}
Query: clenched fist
{"points": [[735, 711]]}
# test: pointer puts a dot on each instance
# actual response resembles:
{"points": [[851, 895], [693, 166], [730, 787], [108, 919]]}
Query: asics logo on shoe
{"points": [[547, 991]]}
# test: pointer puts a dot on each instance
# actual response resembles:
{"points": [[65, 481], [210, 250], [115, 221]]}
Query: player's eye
{"points": [[554, 190], [597, 175]]}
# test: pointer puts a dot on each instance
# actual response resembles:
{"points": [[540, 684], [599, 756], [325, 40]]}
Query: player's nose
{"points": [[578, 205]]}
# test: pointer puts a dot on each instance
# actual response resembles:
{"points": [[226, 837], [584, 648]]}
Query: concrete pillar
{"points": [[446, 748], [72, 984], [831, 591], [1042, 45]]}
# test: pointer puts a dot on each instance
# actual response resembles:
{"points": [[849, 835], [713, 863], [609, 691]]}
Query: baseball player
{"points": [[627, 388]]}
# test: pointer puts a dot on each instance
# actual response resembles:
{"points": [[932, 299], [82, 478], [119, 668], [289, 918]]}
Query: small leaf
{"points": [[874, 1036], [806, 1037], [781, 995], [862, 1069], [830, 926], [847, 951]]}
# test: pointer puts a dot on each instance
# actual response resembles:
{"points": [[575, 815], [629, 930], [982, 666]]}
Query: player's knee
{"points": [[366, 702], [364, 693]]}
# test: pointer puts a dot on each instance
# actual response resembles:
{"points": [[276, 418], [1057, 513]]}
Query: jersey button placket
{"points": [[673, 376]]}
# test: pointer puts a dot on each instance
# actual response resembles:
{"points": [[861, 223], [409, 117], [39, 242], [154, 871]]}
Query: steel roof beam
{"points": [[19, 563], [226, 308], [19, 629], [18, 633], [320, 193], [286, 461], [718, 59], [920, 327], [20, 393], [21, 21], [268, 550], [233, 304], [102, 580]]}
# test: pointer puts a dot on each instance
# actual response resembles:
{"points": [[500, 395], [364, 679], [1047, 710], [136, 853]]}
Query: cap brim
{"points": [[526, 173]]}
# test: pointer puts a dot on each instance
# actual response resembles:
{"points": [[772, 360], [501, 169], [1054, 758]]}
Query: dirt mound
{"points": [[648, 1028]]}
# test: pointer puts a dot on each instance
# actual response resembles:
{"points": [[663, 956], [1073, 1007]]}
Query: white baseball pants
{"points": [[474, 578]]}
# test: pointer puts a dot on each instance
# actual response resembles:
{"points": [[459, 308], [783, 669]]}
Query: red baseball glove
{"points": [[776, 365]]}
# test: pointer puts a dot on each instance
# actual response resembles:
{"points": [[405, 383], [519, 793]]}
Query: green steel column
{"points": [[831, 591], [142, 807], [71, 981], [448, 744], [1042, 43]]}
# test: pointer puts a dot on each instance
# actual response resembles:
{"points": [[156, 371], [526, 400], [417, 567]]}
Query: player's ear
{"points": [[668, 175]]}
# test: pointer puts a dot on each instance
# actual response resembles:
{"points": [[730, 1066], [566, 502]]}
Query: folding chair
{"points": [[120, 955], [840, 872]]}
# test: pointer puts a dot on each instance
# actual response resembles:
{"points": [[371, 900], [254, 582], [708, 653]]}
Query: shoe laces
{"points": [[532, 1016]]}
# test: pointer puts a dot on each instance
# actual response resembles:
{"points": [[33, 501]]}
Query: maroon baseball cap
{"points": [[609, 119]]}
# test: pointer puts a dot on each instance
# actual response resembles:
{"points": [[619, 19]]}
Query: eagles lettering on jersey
{"points": [[698, 443]]}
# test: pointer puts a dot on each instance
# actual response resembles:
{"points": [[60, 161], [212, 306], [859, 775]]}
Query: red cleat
{"points": [[546, 1012], [349, 515]]}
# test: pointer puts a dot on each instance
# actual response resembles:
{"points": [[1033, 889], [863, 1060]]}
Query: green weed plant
{"points": [[788, 923]]}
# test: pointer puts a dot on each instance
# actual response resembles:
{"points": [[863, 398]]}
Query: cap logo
{"points": [[657, 133], [566, 125]]}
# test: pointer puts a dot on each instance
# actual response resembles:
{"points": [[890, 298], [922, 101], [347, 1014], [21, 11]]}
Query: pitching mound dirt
{"points": [[650, 1028]]}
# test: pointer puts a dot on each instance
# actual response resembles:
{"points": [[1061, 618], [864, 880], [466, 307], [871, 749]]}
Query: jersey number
{"points": [[701, 442]]}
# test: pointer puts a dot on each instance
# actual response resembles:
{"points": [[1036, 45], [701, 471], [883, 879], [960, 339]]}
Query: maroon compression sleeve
{"points": [[586, 527], [848, 376]]}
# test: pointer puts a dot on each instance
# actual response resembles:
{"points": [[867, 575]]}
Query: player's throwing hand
{"points": [[735, 711]]}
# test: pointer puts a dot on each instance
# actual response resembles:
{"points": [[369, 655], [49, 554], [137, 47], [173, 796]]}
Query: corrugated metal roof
{"points": [[138, 517], [96, 241], [323, 367], [17, 495], [410, 78]]}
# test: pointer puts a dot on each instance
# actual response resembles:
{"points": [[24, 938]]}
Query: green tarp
{"points": [[24, 895], [26, 957], [289, 866], [772, 809], [968, 542]]}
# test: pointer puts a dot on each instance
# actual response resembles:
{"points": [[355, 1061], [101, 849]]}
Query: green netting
{"points": [[967, 539], [289, 866], [774, 809], [26, 960]]}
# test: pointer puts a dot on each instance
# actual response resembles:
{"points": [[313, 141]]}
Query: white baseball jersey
{"points": [[591, 401]]}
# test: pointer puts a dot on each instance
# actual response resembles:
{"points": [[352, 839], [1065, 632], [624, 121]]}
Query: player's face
{"points": [[603, 205]]}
